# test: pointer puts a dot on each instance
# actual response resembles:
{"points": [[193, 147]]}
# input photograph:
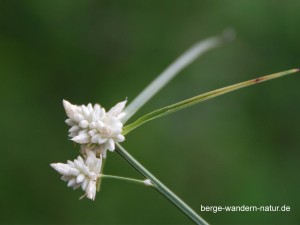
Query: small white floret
{"points": [[81, 173]]}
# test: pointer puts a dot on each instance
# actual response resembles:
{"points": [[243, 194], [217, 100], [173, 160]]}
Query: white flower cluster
{"points": [[93, 125], [81, 173], [96, 131]]}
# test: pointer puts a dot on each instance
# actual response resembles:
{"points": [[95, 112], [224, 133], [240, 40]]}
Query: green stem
{"points": [[161, 188], [123, 178]]}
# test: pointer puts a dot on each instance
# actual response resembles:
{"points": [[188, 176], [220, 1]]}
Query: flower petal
{"points": [[120, 138], [117, 109], [111, 144], [84, 124], [80, 178], [71, 182], [69, 108], [81, 138], [84, 184], [91, 190]]}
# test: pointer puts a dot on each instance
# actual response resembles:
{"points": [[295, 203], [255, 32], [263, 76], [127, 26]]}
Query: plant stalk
{"points": [[132, 180], [160, 187]]}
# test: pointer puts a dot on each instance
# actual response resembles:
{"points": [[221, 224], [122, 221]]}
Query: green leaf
{"points": [[200, 98], [171, 71]]}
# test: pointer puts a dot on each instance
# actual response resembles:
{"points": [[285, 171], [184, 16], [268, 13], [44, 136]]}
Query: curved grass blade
{"points": [[200, 98], [171, 71]]}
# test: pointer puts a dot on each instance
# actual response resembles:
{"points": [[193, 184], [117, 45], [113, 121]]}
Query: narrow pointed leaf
{"points": [[171, 71], [200, 98]]}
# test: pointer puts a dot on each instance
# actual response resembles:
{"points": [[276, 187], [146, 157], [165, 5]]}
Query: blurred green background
{"points": [[238, 149]]}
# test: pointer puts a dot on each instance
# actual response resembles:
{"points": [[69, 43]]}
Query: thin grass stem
{"points": [[132, 180], [160, 187]]}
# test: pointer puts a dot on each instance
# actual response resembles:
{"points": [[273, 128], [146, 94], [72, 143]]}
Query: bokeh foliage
{"points": [[242, 148]]}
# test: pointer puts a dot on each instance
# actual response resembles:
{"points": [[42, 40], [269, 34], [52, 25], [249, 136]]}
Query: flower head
{"points": [[93, 125], [81, 172]]}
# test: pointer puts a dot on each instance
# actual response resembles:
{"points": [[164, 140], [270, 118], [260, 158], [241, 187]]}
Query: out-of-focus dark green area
{"points": [[238, 149]]}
